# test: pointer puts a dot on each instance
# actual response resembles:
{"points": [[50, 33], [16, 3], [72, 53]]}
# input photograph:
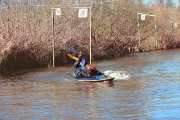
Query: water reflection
{"points": [[90, 87]]}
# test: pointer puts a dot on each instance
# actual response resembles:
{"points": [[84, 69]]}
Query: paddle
{"points": [[73, 49]]}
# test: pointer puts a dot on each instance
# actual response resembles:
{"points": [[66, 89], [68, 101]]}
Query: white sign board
{"points": [[143, 16], [83, 13], [175, 24], [58, 11]]}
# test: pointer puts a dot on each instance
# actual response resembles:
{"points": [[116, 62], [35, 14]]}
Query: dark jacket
{"points": [[77, 69], [80, 67]]}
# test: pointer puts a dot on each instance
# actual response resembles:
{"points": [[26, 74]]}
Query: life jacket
{"points": [[91, 68]]}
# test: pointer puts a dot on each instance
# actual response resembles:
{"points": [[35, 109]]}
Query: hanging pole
{"points": [[58, 12], [138, 29], [174, 25], [155, 31], [53, 62], [90, 27], [173, 32]]}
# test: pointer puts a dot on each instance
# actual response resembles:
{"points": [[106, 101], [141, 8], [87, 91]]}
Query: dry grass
{"points": [[27, 32]]}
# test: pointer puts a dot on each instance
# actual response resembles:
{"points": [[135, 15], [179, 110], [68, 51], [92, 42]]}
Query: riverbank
{"points": [[29, 55], [27, 37]]}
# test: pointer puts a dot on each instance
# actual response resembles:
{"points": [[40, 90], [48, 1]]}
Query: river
{"points": [[146, 86]]}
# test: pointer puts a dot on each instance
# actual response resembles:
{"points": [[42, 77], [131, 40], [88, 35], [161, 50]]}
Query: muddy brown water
{"points": [[149, 89]]}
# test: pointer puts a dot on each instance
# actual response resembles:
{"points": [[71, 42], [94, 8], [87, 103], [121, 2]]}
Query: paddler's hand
{"points": [[79, 57], [84, 75]]}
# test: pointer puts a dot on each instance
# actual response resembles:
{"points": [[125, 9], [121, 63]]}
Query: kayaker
{"points": [[83, 69], [80, 69]]}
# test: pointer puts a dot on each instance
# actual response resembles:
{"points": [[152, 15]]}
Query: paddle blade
{"points": [[72, 57], [73, 49]]}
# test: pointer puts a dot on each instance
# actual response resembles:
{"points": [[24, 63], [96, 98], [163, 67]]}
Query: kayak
{"points": [[96, 79], [99, 78]]}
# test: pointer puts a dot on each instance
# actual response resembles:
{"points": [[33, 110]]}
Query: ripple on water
{"points": [[118, 75]]}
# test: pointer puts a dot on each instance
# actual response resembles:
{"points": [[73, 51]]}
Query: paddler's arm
{"points": [[77, 63]]}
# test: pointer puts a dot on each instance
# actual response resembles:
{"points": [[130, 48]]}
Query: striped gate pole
{"points": [[155, 31], [53, 62], [174, 25], [90, 27], [173, 32], [138, 20]]}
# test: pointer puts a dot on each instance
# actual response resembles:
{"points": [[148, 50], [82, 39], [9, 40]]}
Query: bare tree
{"points": [[161, 2], [169, 3]]}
